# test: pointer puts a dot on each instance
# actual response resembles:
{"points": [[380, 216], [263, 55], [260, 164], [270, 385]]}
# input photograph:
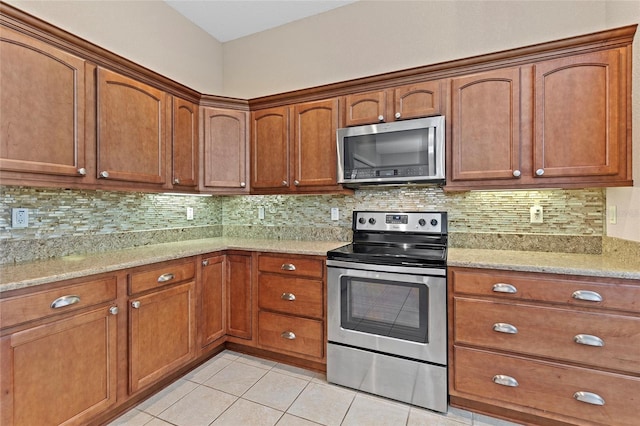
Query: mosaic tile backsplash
{"points": [[63, 222]]}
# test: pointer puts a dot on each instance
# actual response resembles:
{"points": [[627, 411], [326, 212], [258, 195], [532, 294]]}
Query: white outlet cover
{"points": [[536, 214], [335, 213], [19, 218]]}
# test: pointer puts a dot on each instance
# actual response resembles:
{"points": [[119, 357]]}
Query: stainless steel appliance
{"points": [[409, 151], [387, 315]]}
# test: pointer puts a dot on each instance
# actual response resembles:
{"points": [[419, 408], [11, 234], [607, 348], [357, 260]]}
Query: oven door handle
{"points": [[431, 270]]}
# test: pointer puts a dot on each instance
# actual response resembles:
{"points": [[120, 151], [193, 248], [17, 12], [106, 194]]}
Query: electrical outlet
{"points": [[335, 213], [536, 214], [19, 218], [189, 213], [261, 213]]}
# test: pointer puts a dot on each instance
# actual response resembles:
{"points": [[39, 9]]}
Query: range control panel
{"points": [[426, 222]]}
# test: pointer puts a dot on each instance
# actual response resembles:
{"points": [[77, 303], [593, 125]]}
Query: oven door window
{"points": [[385, 308]]}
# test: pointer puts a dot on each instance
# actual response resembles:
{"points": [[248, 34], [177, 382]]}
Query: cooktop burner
{"points": [[397, 238]]}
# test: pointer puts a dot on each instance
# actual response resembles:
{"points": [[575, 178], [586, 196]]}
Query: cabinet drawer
{"points": [[284, 333], [290, 295], [617, 294], [21, 309], [550, 332], [166, 273], [547, 387], [299, 266]]}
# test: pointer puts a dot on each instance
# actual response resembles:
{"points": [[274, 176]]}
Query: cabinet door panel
{"points": [[417, 100], [315, 125], [577, 110], [43, 103], [270, 148], [162, 334], [185, 143], [224, 148], [131, 129], [239, 296], [485, 120], [365, 108], [213, 315], [63, 372]]}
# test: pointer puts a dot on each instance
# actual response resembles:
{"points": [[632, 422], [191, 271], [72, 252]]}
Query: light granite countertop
{"points": [[45, 271]]}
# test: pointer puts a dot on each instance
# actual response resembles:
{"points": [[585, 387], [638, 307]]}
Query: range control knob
{"points": [[422, 222], [372, 221], [434, 222], [362, 220]]}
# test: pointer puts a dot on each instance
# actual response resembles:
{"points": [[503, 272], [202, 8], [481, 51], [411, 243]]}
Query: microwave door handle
{"points": [[431, 147]]}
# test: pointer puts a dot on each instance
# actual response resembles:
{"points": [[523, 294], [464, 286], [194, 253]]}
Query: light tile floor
{"points": [[241, 390]]}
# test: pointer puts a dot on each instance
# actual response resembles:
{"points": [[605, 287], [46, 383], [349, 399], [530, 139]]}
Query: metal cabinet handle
{"points": [[503, 327], [398, 115], [539, 172], [176, 181], [587, 295], [135, 304], [290, 335], [288, 267], [381, 118], [589, 398], [588, 340], [166, 277], [205, 262], [296, 182], [504, 288], [113, 310], [104, 174], [243, 184], [288, 296], [82, 171], [517, 173], [63, 301], [501, 379], [285, 183]]}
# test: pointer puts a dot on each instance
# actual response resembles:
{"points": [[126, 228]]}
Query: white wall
{"points": [[150, 33]]}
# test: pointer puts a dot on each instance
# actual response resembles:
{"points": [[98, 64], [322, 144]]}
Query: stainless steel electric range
{"points": [[387, 315]]}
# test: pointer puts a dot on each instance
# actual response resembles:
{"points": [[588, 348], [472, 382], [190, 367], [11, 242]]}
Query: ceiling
{"points": [[228, 20]]}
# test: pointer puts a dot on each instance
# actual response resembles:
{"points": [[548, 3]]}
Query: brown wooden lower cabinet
{"points": [[212, 318], [544, 348], [239, 295]]}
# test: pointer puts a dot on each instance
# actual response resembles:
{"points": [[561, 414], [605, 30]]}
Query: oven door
{"points": [[390, 309]]}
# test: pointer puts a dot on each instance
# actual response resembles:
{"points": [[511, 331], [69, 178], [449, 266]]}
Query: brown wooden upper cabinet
{"points": [[184, 138], [400, 103], [42, 124], [132, 131], [224, 151], [293, 148], [557, 122]]}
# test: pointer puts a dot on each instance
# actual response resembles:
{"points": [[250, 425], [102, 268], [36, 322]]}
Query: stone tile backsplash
{"points": [[65, 222]]}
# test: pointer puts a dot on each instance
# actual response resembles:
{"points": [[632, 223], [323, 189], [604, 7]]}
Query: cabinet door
{"points": [[42, 124], [365, 108], [577, 115], [224, 150], [63, 372], [185, 144], [270, 148], [239, 292], [416, 100], [315, 125], [213, 312], [485, 122], [131, 130], [162, 333]]}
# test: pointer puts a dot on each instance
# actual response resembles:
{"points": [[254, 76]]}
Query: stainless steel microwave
{"points": [[409, 151]]}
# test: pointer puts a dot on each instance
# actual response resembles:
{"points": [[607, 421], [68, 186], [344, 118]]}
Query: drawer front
{"points": [[588, 292], [166, 273], [299, 266], [21, 309], [550, 332], [296, 296], [284, 334], [547, 387]]}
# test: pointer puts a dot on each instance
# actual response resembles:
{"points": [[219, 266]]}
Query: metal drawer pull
{"points": [[589, 296], [588, 339], [288, 296], [288, 267], [501, 379], [288, 335], [165, 277], [589, 398], [63, 301], [504, 288], [503, 327]]}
